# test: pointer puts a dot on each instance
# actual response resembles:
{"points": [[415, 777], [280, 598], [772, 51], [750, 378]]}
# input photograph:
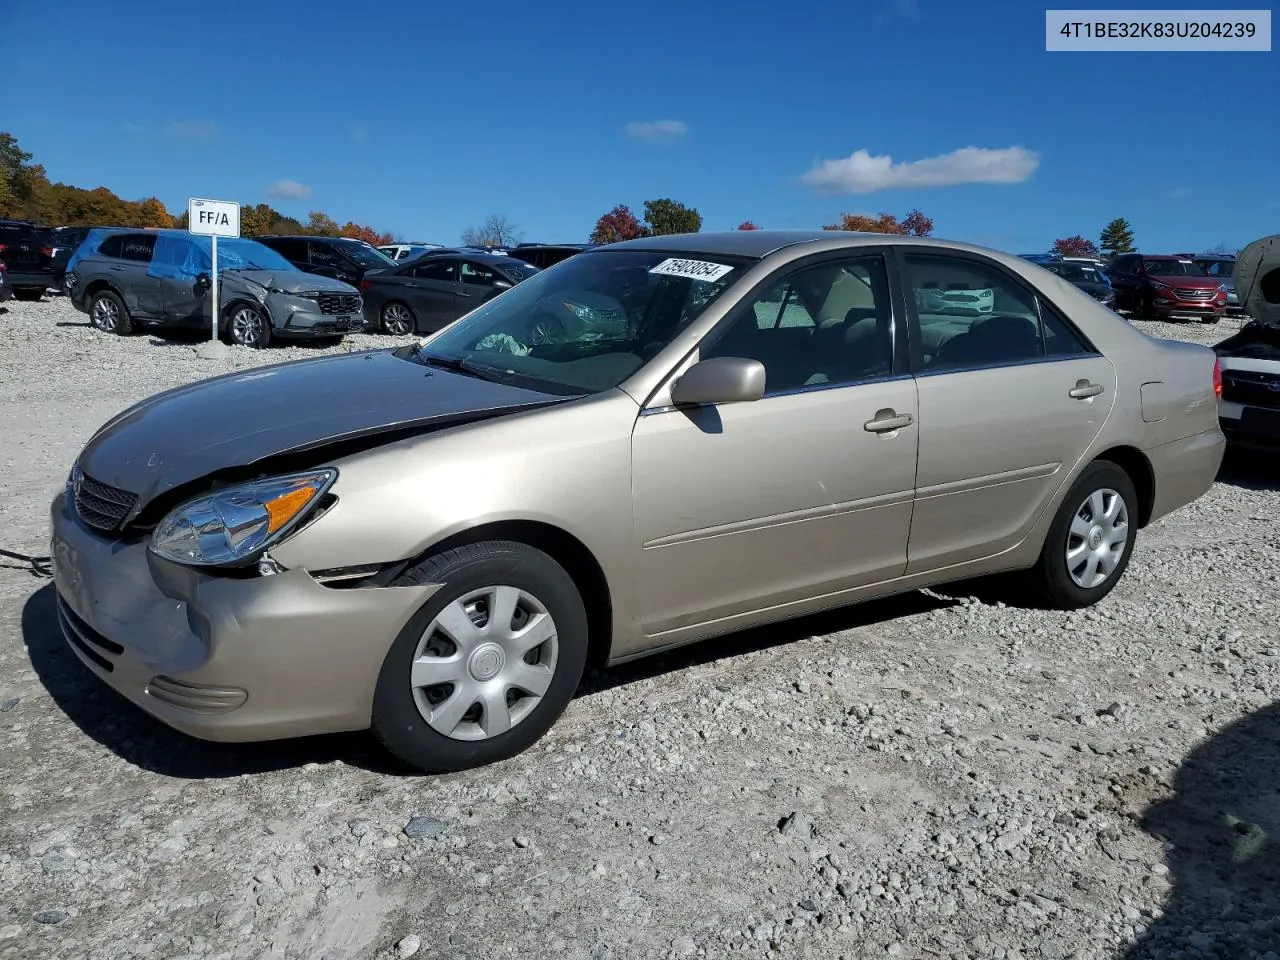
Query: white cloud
{"points": [[288, 190], [1179, 193], [863, 173], [192, 130], [655, 130]]}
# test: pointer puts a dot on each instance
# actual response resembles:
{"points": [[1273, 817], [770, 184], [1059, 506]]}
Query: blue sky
{"points": [[424, 118]]}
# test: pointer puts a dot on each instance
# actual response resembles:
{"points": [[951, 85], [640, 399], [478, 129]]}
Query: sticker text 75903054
{"points": [[693, 269]]}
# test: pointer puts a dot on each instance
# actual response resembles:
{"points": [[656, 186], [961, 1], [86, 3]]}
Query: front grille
{"points": [[1251, 387], [102, 506], [95, 647], [1193, 293], [338, 303]]}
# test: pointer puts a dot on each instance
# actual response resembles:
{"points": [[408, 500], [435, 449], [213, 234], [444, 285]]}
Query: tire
{"points": [[1215, 319], [108, 313], [27, 293], [247, 325], [397, 319], [545, 328], [401, 711], [1067, 586]]}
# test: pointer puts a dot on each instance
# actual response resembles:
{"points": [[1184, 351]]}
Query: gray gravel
{"points": [[939, 775]]}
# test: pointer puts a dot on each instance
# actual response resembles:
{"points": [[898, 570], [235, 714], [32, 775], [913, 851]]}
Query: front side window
{"points": [[365, 255], [323, 256], [823, 325], [476, 274], [587, 325]]}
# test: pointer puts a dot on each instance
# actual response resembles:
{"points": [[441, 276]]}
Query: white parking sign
{"points": [[213, 218]]}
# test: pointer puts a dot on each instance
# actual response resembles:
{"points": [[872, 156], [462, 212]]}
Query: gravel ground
{"points": [[939, 775]]}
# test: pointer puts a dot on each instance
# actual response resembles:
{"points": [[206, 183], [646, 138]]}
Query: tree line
{"points": [[1116, 237], [27, 193]]}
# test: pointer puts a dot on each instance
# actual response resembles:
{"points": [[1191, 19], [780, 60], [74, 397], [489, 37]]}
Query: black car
{"points": [[431, 291], [1086, 276], [543, 255], [28, 259], [63, 241], [338, 258]]}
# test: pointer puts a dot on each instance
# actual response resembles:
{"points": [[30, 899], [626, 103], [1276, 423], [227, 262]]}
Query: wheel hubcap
{"points": [[246, 326], [544, 332], [397, 320], [105, 315], [1097, 539], [484, 663]]}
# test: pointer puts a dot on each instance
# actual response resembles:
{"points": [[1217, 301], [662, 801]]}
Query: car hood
{"points": [[1099, 291], [1257, 280], [230, 423], [290, 281], [1181, 280]]}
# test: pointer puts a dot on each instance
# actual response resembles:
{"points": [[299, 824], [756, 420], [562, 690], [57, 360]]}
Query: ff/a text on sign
{"points": [[213, 218], [1171, 31]]}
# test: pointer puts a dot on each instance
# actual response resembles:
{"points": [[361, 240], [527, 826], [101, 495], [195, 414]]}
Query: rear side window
{"points": [[295, 251], [112, 247], [1060, 340], [445, 271], [138, 247]]}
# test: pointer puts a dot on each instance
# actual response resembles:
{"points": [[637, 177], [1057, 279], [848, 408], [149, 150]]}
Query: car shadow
{"points": [[1221, 831], [138, 738], [1251, 469]]}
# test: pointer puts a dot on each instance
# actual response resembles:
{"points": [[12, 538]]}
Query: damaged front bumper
{"points": [[218, 657], [303, 316]]}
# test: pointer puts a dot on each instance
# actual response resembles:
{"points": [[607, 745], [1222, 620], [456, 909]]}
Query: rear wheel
{"points": [[1091, 539], [488, 664], [397, 319], [108, 313]]}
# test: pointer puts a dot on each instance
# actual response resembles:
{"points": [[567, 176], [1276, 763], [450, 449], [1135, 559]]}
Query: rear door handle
{"points": [[888, 420], [1083, 390]]}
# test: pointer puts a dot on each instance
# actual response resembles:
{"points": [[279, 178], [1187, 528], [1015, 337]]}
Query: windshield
{"points": [[588, 324], [1078, 272], [1172, 268], [366, 255], [243, 254]]}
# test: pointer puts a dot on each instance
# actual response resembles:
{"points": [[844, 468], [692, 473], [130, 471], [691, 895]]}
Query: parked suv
{"points": [[543, 255], [160, 278], [1221, 268], [1166, 287], [28, 259], [63, 243], [339, 258]]}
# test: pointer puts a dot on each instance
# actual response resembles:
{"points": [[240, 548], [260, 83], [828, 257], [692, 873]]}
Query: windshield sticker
{"points": [[693, 269]]}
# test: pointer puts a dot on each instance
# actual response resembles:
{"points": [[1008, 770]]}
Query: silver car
{"points": [[125, 280], [434, 541]]}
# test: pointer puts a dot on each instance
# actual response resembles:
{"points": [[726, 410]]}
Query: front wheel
{"points": [[546, 329], [1090, 540], [248, 326], [488, 664]]}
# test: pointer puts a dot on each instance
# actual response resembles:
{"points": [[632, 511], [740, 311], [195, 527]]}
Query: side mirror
{"points": [[203, 282], [501, 285], [720, 380]]}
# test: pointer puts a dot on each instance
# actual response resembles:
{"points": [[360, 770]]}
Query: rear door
{"points": [[328, 262], [433, 292], [144, 290], [1010, 399]]}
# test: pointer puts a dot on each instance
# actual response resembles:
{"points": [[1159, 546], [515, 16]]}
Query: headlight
{"points": [[581, 311], [233, 526]]}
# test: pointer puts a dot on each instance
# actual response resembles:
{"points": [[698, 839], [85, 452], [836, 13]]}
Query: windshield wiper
{"points": [[457, 365]]}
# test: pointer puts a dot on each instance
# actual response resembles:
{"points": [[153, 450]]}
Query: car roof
{"points": [[758, 244], [1165, 256]]}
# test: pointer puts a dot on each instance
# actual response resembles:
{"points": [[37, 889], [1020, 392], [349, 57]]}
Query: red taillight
{"points": [[47, 251], [1, 248], [1217, 377], [366, 284]]}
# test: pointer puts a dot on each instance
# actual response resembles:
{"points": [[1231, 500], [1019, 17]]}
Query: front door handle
{"points": [[888, 420], [1083, 390]]}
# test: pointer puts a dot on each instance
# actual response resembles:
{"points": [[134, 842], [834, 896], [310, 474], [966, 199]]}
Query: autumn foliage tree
{"points": [[617, 225], [1076, 246], [747, 225], [914, 224], [664, 217]]}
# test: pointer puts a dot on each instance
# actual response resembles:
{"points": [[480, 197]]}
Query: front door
{"points": [[1011, 397], [432, 291], [805, 492]]}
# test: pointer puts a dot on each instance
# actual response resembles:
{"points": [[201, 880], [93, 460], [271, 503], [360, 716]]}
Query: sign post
{"points": [[213, 219]]}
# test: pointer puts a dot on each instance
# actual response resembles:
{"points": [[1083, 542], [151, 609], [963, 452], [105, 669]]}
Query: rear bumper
{"points": [[223, 658], [30, 279], [1260, 430], [1185, 469]]}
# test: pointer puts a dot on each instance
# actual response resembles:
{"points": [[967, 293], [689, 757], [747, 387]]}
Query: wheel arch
{"points": [[238, 300], [568, 551], [97, 286], [1135, 463]]}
